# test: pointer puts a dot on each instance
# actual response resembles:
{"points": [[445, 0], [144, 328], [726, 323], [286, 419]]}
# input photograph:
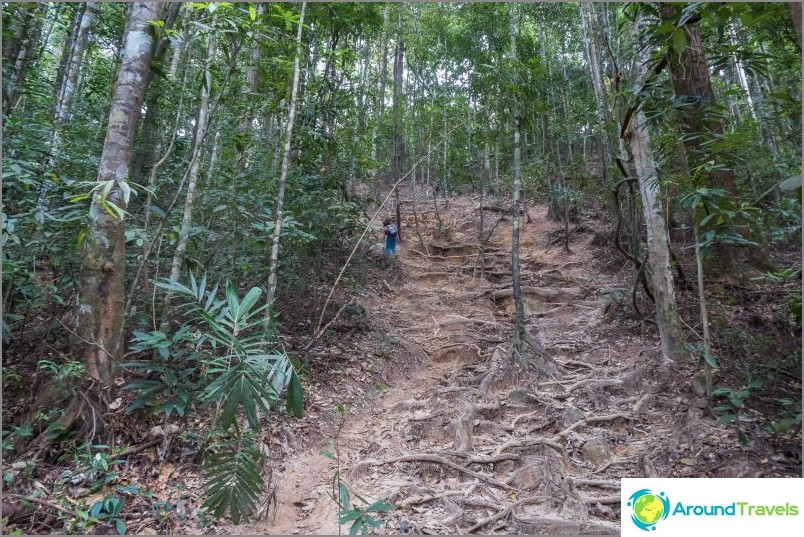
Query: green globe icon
{"points": [[648, 509]]}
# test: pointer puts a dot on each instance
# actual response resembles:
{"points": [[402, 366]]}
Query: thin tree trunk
{"points": [[74, 65], [399, 149], [379, 105], [795, 14], [67, 53], [670, 332], [280, 197], [243, 140], [25, 55], [519, 329], [99, 318], [597, 83], [195, 163], [702, 307]]}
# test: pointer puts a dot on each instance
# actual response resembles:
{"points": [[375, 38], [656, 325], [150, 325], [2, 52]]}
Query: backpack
{"points": [[392, 231]]}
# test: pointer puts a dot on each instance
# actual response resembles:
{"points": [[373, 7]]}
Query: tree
{"points": [[99, 312], [521, 338], [280, 197], [193, 172], [692, 86]]}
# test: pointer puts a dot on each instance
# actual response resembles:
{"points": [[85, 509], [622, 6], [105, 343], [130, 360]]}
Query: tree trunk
{"points": [[283, 177], [519, 329], [379, 105], [795, 14], [195, 163], [144, 156], [67, 52], [399, 149], [597, 83], [99, 318], [670, 332], [690, 79], [33, 21], [74, 65]]}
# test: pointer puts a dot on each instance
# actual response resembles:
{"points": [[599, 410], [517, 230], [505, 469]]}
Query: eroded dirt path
{"points": [[459, 449]]}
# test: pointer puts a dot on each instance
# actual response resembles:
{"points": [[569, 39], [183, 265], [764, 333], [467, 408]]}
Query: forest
{"points": [[596, 271]]}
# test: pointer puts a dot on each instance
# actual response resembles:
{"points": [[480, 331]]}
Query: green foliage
{"points": [[722, 218], [67, 372], [734, 404], [361, 518], [171, 386], [225, 358], [110, 511], [98, 464], [233, 476]]}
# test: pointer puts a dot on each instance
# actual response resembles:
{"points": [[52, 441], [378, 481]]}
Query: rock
{"points": [[597, 451], [572, 414], [527, 478]]}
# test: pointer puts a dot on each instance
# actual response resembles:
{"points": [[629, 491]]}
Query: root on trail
{"points": [[437, 459]]}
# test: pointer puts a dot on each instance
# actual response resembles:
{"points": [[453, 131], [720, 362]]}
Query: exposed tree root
{"points": [[437, 459], [505, 512]]}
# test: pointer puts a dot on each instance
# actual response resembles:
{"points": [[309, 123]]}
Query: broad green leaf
{"points": [[295, 402]]}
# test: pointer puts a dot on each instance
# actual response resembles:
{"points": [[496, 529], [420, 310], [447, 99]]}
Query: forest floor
{"points": [[431, 422], [431, 425]]}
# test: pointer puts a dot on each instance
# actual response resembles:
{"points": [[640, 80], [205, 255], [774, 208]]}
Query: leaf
{"points": [[710, 360], [120, 525], [327, 454], [380, 505], [791, 183], [96, 509], [252, 12], [346, 499], [294, 401], [355, 529], [679, 41]]}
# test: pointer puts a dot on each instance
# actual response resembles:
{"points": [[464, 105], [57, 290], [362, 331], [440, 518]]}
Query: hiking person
{"points": [[390, 233]]}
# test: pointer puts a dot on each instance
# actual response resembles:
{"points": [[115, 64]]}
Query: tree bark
{"points": [[597, 84], [519, 321], [99, 318], [379, 105], [399, 149], [795, 14], [31, 33], [670, 332], [280, 197], [74, 64], [691, 81]]}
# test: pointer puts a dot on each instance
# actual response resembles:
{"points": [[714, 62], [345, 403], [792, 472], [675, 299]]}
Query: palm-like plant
{"points": [[240, 373]]}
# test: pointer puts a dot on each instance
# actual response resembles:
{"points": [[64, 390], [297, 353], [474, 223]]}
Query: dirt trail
{"points": [[458, 450]]}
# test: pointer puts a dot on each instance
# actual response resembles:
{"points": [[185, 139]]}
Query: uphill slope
{"points": [[458, 448]]}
